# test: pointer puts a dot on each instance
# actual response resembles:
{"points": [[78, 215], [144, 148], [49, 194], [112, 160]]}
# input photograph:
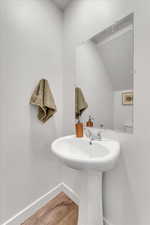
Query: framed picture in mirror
{"points": [[127, 98]]}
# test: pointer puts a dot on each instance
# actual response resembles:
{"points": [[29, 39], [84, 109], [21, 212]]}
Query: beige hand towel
{"points": [[43, 98], [80, 103]]}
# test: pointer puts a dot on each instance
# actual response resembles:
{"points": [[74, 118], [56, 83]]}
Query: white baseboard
{"points": [[33, 207], [70, 193]]}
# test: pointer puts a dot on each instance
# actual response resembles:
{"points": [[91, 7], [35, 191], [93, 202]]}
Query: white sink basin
{"points": [[78, 154], [91, 161]]}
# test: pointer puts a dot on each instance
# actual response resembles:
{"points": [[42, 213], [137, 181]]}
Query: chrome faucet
{"points": [[91, 136]]}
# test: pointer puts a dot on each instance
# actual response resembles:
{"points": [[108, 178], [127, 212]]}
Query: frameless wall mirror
{"points": [[104, 72]]}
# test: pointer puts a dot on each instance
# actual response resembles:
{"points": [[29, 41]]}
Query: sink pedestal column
{"points": [[90, 195]]}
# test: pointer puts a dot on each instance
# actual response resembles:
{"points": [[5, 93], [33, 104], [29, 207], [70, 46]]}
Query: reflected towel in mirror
{"points": [[80, 103]]}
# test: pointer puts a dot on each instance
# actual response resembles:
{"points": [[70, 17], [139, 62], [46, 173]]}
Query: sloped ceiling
{"points": [[117, 55], [62, 4], [115, 45]]}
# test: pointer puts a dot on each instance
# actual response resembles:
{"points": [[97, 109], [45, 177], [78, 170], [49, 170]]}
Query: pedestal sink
{"points": [[91, 161]]}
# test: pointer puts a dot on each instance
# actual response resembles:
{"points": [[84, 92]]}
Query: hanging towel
{"points": [[80, 103], [43, 98]]}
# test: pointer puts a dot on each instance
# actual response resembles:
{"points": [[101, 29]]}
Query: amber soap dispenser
{"points": [[79, 129], [89, 122]]}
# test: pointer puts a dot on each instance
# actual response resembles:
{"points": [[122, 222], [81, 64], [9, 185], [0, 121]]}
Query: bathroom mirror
{"points": [[104, 73]]}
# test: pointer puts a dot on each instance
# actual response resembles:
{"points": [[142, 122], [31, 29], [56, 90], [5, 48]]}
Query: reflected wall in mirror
{"points": [[104, 72]]}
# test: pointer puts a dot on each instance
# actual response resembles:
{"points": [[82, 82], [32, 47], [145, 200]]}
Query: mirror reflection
{"points": [[104, 77]]}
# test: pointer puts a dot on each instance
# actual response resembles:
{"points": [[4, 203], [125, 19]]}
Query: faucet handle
{"points": [[88, 133], [102, 126], [99, 135]]}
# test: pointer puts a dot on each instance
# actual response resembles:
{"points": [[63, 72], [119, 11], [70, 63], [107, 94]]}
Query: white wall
{"points": [[27, 165], [127, 187], [30, 49], [117, 55], [95, 83], [122, 114]]}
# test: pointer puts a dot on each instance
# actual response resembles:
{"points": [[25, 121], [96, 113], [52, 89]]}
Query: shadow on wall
{"points": [[41, 137], [119, 175]]}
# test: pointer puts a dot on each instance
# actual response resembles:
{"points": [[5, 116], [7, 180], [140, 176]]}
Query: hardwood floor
{"points": [[59, 211]]}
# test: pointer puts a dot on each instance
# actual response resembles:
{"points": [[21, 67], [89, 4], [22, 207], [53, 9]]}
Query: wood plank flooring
{"points": [[59, 211]]}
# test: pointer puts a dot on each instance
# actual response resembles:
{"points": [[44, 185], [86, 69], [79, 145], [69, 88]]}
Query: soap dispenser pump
{"points": [[89, 122]]}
